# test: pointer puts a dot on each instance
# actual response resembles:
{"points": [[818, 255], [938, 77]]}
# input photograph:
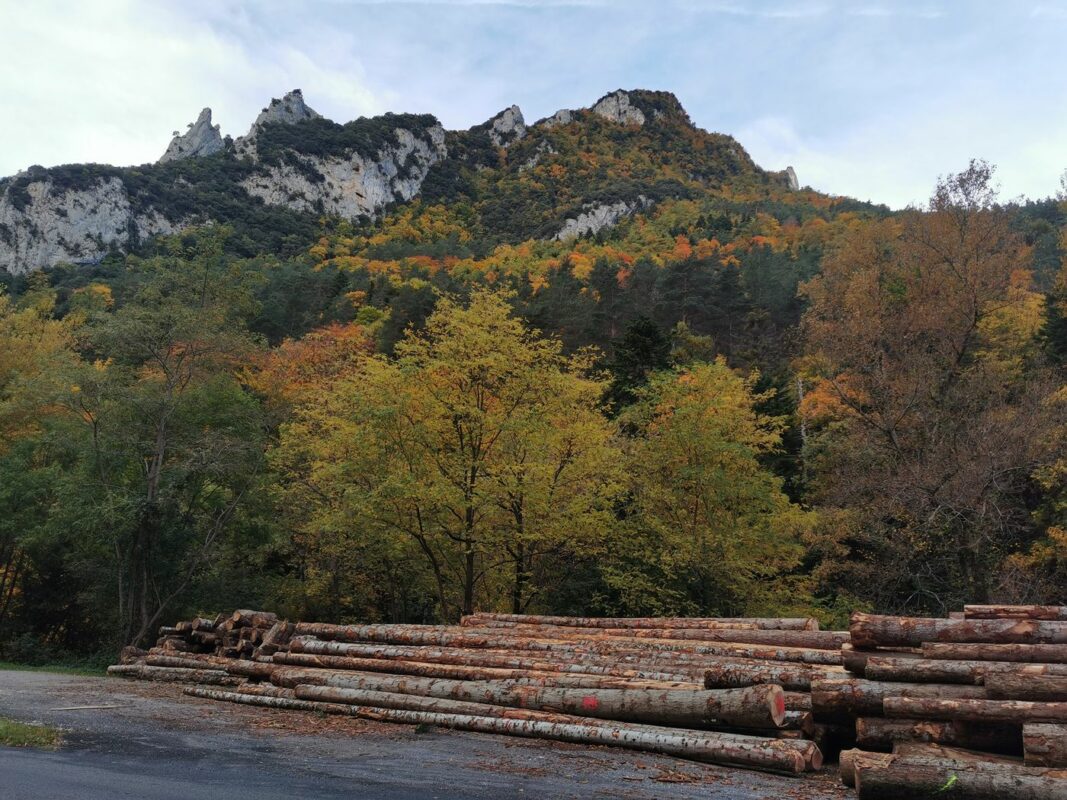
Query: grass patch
{"points": [[63, 669], [19, 734]]}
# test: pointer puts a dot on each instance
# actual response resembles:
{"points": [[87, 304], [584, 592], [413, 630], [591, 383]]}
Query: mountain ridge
{"points": [[294, 167]]}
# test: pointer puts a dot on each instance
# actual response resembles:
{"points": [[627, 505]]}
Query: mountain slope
{"points": [[569, 175]]}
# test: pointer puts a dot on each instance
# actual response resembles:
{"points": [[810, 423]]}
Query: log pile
{"points": [[725, 691], [976, 702]]}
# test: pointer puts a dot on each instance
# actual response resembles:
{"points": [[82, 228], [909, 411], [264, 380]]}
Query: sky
{"points": [[873, 99]]}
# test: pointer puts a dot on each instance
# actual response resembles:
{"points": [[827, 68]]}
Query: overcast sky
{"points": [[869, 98]]}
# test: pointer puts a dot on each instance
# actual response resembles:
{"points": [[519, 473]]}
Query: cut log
{"points": [[789, 676], [765, 623], [782, 755], [878, 733], [945, 671], [1022, 686], [910, 778], [213, 677], [1045, 745], [501, 638], [854, 659], [1016, 612], [244, 618], [1040, 653], [997, 711], [474, 666], [751, 707], [794, 701], [611, 651], [814, 640], [871, 630], [256, 670], [847, 760], [460, 672], [843, 698], [945, 753], [933, 755], [209, 662]]}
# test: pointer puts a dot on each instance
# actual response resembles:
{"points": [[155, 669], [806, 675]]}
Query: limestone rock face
{"points": [[598, 217], [288, 110], [44, 225], [507, 127], [202, 139], [618, 108], [791, 177], [562, 117], [352, 184]]}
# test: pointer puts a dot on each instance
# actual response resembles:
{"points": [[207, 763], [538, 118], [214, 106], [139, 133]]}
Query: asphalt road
{"points": [[160, 745]]}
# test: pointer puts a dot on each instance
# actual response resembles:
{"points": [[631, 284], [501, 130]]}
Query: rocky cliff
{"points": [[572, 174]]}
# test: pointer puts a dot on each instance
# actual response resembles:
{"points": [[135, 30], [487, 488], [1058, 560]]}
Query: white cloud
{"points": [[109, 80]]}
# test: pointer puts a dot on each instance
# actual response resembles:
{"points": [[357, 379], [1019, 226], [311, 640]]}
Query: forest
{"points": [[750, 402]]}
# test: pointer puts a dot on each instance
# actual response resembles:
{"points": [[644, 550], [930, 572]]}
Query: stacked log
{"points": [[976, 702], [242, 634], [728, 690]]}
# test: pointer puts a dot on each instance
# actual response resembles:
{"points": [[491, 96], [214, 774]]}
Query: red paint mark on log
{"points": [[589, 703], [779, 702]]}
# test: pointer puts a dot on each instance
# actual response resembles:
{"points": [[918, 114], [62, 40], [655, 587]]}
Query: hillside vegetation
{"points": [[738, 399]]}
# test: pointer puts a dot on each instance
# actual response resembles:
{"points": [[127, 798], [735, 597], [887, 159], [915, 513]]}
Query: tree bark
{"points": [[1045, 745], [844, 698], [729, 674], [930, 670], [973, 710], [1016, 612], [1041, 653], [907, 778], [752, 707], [215, 677], [481, 620], [871, 630], [1020, 686], [878, 733], [782, 755]]}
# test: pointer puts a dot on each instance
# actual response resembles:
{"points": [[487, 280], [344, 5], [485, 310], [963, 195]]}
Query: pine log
{"points": [[264, 690], [751, 707], [256, 670], [765, 623], [132, 655], [735, 674], [794, 701], [783, 755], [1041, 653], [933, 670], [479, 659], [842, 698], [848, 759], [809, 639], [914, 778], [245, 618], [430, 670], [213, 677], [186, 662], [854, 659], [871, 630], [1045, 745], [669, 652], [934, 755], [1016, 612], [1021, 686], [203, 625], [878, 733], [169, 630], [967, 710]]}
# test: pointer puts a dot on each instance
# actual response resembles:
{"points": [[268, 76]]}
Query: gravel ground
{"points": [[160, 744]]}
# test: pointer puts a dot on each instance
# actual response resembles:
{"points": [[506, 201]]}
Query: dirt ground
{"points": [[157, 743]]}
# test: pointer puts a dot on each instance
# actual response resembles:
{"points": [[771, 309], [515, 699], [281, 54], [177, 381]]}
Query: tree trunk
{"points": [[215, 677], [878, 733], [755, 707], [1045, 745], [468, 672], [870, 630], [932, 670], [797, 677], [906, 778], [1041, 653], [854, 659], [973, 710], [844, 698], [716, 748], [1015, 612], [762, 623], [1016, 686]]}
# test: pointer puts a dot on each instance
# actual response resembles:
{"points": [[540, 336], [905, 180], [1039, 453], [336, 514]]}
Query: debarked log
{"points": [[995, 711]]}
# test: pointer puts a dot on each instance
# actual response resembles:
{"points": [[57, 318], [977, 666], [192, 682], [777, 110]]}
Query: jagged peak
{"points": [[507, 127], [626, 107], [288, 109], [201, 139]]}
